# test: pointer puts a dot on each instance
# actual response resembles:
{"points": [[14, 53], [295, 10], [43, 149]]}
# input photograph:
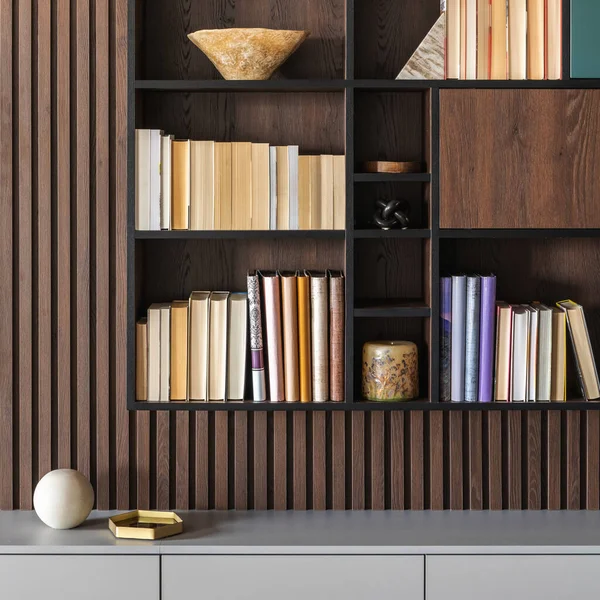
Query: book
{"points": [[223, 185], [283, 188], [484, 31], [339, 192], [463, 39], [304, 342], [142, 179], [486, 338], [304, 192], [472, 319], [457, 353], [180, 188], [327, 191], [315, 192], [271, 288], [261, 181], [165, 352], [179, 350], [319, 336], [582, 347], [585, 41], [532, 375], [558, 385], [520, 354], [259, 387], [165, 182], [502, 387], [553, 40], [241, 186], [293, 160], [202, 186], [155, 178], [445, 333], [153, 335], [535, 39], [236, 346], [517, 39], [544, 362], [471, 40], [217, 346], [453, 39], [289, 304], [273, 188], [336, 336], [498, 49], [199, 346], [141, 360]]}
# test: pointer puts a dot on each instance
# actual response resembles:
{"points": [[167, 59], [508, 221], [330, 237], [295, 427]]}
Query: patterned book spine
{"points": [[445, 336], [472, 339], [272, 293], [486, 337], [459, 293], [320, 342], [259, 386], [336, 336]]}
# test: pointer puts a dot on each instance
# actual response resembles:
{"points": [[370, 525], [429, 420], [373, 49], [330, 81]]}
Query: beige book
{"points": [[453, 39], [289, 305], [141, 360], [517, 39], [142, 179], [327, 191], [535, 38], [165, 352], [202, 190], [260, 187], [499, 67], [558, 384], [484, 25], [179, 349], [237, 346], [283, 188], [241, 186], [271, 288], [217, 362], [154, 352], [222, 215], [319, 336], [315, 192], [304, 192], [198, 364], [554, 40], [180, 185], [339, 192], [504, 319]]}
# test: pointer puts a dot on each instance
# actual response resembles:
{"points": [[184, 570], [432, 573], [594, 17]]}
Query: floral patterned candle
{"points": [[390, 371]]}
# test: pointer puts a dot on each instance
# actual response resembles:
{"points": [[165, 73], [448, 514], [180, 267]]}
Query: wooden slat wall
{"points": [[63, 185]]}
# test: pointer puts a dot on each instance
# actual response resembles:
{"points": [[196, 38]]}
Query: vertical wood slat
{"points": [[358, 460], [397, 460], [6, 255], [534, 460], [182, 460], [260, 461], [201, 495], [319, 466], [338, 475], [102, 252], [417, 460], [456, 460], [377, 461], [280, 461], [436, 460], [573, 461], [494, 456], [553, 460], [221, 483], [592, 463], [162, 460], [143, 459], [514, 461], [475, 461], [241, 461], [24, 291], [300, 466]]}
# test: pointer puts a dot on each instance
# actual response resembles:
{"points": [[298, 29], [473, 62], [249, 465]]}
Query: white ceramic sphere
{"points": [[63, 499]]}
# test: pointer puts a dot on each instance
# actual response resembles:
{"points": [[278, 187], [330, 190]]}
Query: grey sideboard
{"points": [[310, 556]]}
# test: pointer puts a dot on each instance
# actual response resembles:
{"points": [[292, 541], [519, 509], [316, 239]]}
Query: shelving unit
{"points": [[338, 96]]}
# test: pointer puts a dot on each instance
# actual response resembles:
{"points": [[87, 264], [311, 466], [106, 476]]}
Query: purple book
{"points": [[445, 333], [487, 335]]}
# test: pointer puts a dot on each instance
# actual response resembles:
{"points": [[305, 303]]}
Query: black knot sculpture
{"points": [[390, 214]]}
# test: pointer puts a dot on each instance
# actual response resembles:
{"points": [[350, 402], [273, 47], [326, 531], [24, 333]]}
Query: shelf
{"points": [[517, 233], [392, 177], [392, 233], [221, 85], [238, 235], [422, 85], [391, 308]]}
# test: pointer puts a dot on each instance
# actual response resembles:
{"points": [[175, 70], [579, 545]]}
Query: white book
{"points": [[533, 352], [199, 346], [155, 178], [165, 181], [293, 187], [544, 361], [458, 341], [154, 353], [471, 58], [517, 39], [142, 179], [520, 354], [165, 352], [273, 188], [237, 346]]}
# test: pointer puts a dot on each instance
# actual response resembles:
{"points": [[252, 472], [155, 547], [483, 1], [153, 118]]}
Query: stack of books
{"points": [[494, 351], [504, 39], [206, 185]]}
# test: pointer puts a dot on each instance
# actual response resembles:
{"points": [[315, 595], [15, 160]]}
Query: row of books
{"points": [[495, 351], [206, 185], [504, 39], [197, 350]]}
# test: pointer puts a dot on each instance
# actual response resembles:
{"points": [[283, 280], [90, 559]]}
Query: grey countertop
{"points": [[461, 532]]}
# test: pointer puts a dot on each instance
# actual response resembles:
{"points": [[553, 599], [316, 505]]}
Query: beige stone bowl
{"points": [[248, 54]]}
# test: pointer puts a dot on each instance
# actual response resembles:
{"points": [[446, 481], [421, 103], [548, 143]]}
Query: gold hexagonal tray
{"points": [[145, 525]]}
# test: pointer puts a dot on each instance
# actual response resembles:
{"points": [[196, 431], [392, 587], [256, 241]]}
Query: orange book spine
{"points": [[304, 338]]}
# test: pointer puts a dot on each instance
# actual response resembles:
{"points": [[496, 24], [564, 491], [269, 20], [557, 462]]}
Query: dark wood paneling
{"points": [[554, 459], [549, 144], [201, 472], [377, 466], [417, 461], [260, 461], [300, 462], [514, 461], [163, 461], [397, 463], [475, 462], [241, 461], [358, 460], [495, 460], [182, 460], [534, 460], [338, 469], [319, 466], [142, 460], [221, 457], [280, 461], [456, 461], [573, 460], [592, 460], [436, 460]]}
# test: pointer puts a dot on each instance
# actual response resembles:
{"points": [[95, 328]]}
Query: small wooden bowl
{"points": [[386, 166]]}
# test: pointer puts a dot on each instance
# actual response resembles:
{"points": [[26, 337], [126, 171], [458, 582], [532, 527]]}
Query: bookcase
{"points": [[337, 94]]}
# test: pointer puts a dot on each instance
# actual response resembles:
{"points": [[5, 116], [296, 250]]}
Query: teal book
{"points": [[585, 39]]}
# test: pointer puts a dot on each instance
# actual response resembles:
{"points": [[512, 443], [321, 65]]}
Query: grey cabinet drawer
{"points": [[513, 577], [292, 577], [59, 577]]}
